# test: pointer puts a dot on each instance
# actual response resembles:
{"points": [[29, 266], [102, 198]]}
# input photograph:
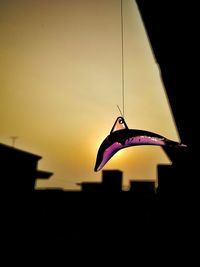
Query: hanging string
{"points": [[120, 111], [122, 55]]}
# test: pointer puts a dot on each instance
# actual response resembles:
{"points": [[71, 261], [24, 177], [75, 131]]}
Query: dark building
{"points": [[112, 180], [173, 42], [142, 188], [171, 27], [18, 170], [90, 186]]}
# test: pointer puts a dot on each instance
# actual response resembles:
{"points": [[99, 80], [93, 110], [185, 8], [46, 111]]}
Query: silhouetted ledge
{"points": [[43, 174]]}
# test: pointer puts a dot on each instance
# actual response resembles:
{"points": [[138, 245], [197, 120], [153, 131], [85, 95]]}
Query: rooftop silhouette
{"points": [[19, 169], [71, 218]]}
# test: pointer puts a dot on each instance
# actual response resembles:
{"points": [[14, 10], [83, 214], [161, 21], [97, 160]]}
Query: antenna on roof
{"points": [[13, 138]]}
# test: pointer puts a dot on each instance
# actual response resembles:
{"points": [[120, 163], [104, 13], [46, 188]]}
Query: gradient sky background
{"points": [[60, 84]]}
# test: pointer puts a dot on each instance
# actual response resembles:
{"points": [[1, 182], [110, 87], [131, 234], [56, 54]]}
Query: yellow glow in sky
{"points": [[60, 84]]}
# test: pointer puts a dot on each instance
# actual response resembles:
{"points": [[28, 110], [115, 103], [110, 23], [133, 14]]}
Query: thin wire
{"points": [[122, 59], [120, 111]]}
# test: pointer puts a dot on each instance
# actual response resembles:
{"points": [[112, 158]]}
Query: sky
{"points": [[61, 82]]}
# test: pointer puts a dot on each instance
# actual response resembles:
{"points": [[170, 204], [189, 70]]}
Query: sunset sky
{"points": [[61, 82]]}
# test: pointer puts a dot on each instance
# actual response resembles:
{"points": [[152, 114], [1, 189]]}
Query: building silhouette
{"points": [[112, 180], [111, 183], [143, 188], [18, 169]]}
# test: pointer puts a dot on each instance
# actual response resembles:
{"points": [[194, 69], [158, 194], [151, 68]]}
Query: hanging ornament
{"points": [[121, 137]]}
